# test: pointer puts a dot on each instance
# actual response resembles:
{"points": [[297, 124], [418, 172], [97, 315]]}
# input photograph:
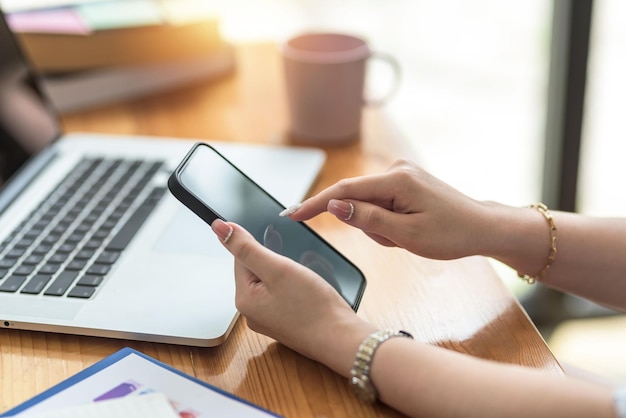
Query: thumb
{"points": [[245, 248]]}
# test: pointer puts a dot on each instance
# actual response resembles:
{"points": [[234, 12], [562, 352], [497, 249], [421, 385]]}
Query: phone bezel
{"points": [[201, 209], [186, 196]]}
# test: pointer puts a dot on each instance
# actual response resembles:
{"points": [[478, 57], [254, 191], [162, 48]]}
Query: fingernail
{"points": [[290, 210], [342, 210], [222, 230]]}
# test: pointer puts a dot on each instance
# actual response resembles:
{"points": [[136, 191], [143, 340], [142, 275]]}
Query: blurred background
{"points": [[515, 102]]}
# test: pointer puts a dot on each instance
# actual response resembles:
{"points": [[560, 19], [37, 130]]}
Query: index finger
{"points": [[371, 188]]}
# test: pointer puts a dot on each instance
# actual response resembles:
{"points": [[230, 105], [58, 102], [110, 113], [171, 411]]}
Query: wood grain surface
{"points": [[461, 305]]}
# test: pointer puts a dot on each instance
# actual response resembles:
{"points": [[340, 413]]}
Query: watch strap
{"points": [[360, 372]]}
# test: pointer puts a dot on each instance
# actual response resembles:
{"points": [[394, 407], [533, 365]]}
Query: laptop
{"points": [[91, 241]]}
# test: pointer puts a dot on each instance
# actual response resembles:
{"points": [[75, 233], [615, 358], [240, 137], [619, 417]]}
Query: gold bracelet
{"points": [[543, 209]]}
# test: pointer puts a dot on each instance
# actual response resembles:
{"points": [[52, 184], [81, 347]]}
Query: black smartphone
{"points": [[212, 187]]}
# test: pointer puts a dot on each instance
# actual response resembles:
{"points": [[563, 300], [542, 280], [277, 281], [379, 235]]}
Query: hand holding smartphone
{"points": [[212, 187]]}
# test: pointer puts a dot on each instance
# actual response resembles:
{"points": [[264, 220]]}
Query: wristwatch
{"points": [[360, 371]]}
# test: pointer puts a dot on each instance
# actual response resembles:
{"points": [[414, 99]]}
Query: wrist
{"points": [[339, 343], [520, 237], [361, 372]]}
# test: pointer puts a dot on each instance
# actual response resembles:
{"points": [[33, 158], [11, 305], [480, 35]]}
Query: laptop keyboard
{"points": [[67, 246]]}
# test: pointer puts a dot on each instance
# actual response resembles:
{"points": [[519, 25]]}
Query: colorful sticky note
{"points": [[120, 14], [63, 20], [12, 6]]}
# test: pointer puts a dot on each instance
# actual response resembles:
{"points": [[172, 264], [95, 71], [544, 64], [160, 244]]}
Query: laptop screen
{"points": [[27, 122]]}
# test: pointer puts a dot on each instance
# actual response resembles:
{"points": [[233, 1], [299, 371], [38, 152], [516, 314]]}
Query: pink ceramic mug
{"points": [[325, 75]]}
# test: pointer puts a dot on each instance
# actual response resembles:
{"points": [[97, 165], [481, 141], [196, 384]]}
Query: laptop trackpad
{"points": [[188, 234], [45, 308]]}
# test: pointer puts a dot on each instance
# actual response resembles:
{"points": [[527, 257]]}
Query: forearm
{"points": [[423, 380], [589, 260]]}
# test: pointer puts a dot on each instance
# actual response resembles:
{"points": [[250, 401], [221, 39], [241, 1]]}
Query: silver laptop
{"points": [[91, 241]]}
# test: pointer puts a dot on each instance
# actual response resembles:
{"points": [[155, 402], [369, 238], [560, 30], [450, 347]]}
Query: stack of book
{"points": [[91, 52]]}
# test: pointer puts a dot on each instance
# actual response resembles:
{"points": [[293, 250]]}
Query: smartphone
{"points": [[212, 187]]}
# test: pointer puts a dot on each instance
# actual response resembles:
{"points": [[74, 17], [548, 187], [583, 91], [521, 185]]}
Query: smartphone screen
{"points": [[213, 187]]}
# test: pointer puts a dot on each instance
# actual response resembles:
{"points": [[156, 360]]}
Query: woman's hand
{"points": [[290, 303], [406, 207]]}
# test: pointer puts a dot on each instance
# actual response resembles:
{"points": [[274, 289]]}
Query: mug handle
{"points": [[395, 67]]}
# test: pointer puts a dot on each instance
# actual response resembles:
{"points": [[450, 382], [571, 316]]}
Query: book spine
{"points": [[53, 53], [74, 91]]}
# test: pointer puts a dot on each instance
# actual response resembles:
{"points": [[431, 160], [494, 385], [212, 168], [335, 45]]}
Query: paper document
{"points": [[153, 405], [129, 373]]}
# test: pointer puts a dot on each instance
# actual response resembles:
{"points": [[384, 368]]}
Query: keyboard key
{"points": [[7, 263], [12, 284], [49, 268], [101, 233], [99, 269], [115, 216], [33, 259], [108, 257], [91, 218], [83, 227], [61, 284], [15, 253], [48, 216], [42, 249], [33, 233], [36, 284], [51, 239], [109, 223], [24, 270], [66, 247], [65, 222], [76, 265], [58, 230], [83, 292], [76, 210], [93, 243], [24, 243], [84, 254], [41, 225], [90, 280], [75, 238], [58, 258]]}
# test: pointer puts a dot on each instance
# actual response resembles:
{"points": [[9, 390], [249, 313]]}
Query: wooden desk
{"points": [[461, 305]]}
